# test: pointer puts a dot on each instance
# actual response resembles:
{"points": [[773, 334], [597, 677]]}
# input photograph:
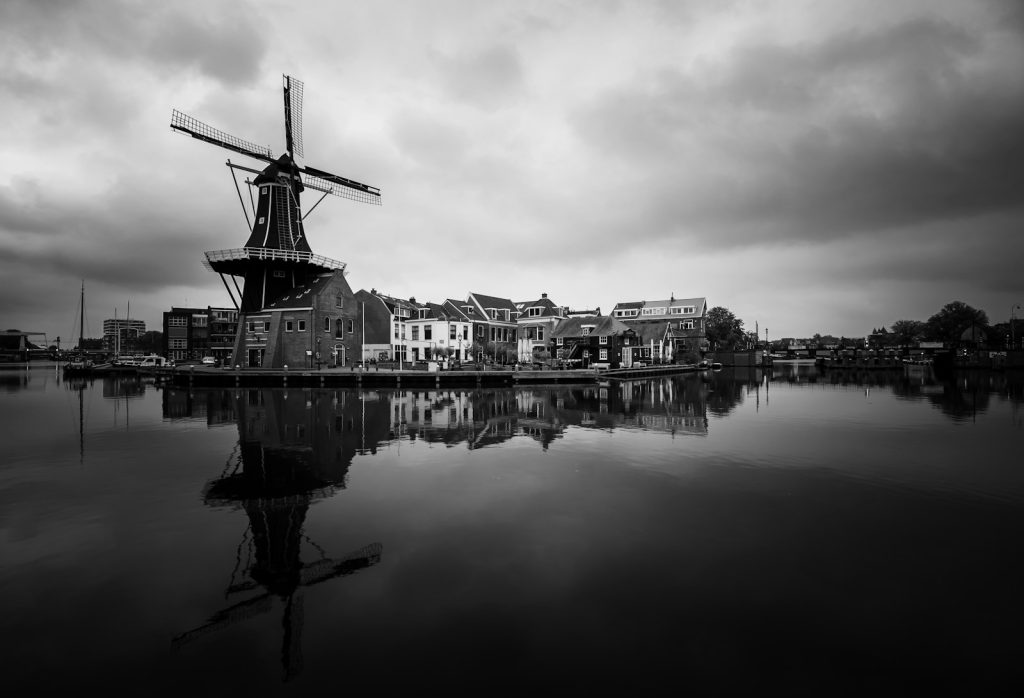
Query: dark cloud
{"points": [[220, 41], [859, 133]]}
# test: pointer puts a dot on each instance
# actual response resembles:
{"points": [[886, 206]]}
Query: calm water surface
{"points": [[789, 533]]}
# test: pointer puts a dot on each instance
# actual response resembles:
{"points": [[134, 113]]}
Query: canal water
{"points": [[782, 532]]}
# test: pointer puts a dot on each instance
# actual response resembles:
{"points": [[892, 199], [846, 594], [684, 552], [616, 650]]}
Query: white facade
{"points": [[429, 337]]}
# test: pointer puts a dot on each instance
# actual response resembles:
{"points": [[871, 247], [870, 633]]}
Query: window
{"points": [[351, 326], [689, 310], [278, 273], [585, 330], [540, 334], [302, 325], [327, 324], [289, 326], [534, 312], [480, 331], [198, 321], [415, 332], [178, 344], [451, 331], [676, 311], [686, 325], [603, 339], [396, 330], [558, 341], [465, 331], [428, 332], [176, 321], [251, 327], [339, 301], [604, 355], [266, 325]]}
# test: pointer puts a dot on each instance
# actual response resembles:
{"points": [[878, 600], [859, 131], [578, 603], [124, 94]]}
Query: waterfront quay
{"points": [[355, 377]]}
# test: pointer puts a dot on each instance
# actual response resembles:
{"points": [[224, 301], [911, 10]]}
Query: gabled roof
{"points": [[435, 311], [699, 306], [393, 302], [301, 296], [648, 331], [493, 302], [547, 306], [457, 311], [601, 326], [500, 304]]}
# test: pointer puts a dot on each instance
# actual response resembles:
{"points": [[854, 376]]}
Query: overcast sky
{"points": [[814, 167]]}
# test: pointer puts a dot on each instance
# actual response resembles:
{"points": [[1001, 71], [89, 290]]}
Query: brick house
{"points": [[494, 325], [596, 341], [314, 324], [535, 322], [670, 328]]}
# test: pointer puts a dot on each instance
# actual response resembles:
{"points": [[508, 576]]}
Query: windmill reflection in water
{"points": [[275, 481]]}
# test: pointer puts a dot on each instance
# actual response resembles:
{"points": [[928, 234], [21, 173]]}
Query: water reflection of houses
{"points": [[294, 449], [480, 418]]}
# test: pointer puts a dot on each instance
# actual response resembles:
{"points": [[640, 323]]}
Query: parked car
{"points": [[209, 361]]}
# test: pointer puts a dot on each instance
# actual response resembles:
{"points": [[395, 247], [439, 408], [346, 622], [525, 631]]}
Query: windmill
{"points": [[277, 257]]}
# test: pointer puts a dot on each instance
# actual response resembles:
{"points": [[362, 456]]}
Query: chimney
{"points": [[543, 295], [412, 299]]}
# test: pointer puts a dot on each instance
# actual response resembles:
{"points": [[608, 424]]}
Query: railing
{"points": [[270, 254]]}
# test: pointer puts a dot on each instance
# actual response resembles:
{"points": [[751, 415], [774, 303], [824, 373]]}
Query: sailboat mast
{"points": [[81, 320]]}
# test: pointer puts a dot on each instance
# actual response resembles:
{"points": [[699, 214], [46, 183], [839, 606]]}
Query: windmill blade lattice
{"points": [[339, 186], [293, 115], [181, 121]]}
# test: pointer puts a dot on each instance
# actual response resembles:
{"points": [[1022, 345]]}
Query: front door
{"points": [[255, 358]]}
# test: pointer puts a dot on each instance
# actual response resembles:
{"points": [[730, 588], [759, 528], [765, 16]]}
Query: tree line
{"points": [[954, 322]]}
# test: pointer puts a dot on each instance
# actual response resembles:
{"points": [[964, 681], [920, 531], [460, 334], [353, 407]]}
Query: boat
{"points": [[80, 364]]}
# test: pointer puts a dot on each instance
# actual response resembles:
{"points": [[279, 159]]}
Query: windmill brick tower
{"points": [[277, 257]]}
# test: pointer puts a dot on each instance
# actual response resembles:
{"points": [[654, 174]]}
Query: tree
{"points": [[724, 330], [908, 331], [150, 342], [949, 323]]}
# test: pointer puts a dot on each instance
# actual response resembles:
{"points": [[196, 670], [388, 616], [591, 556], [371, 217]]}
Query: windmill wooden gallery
{"points": [[285, 287]]}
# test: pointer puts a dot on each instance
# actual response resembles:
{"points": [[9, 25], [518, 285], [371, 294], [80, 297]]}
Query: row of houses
{"points": [[325, 323]]}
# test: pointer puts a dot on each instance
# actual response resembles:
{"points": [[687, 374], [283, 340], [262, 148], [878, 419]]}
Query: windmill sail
{"points": [[293, 115], [181, 121]]}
